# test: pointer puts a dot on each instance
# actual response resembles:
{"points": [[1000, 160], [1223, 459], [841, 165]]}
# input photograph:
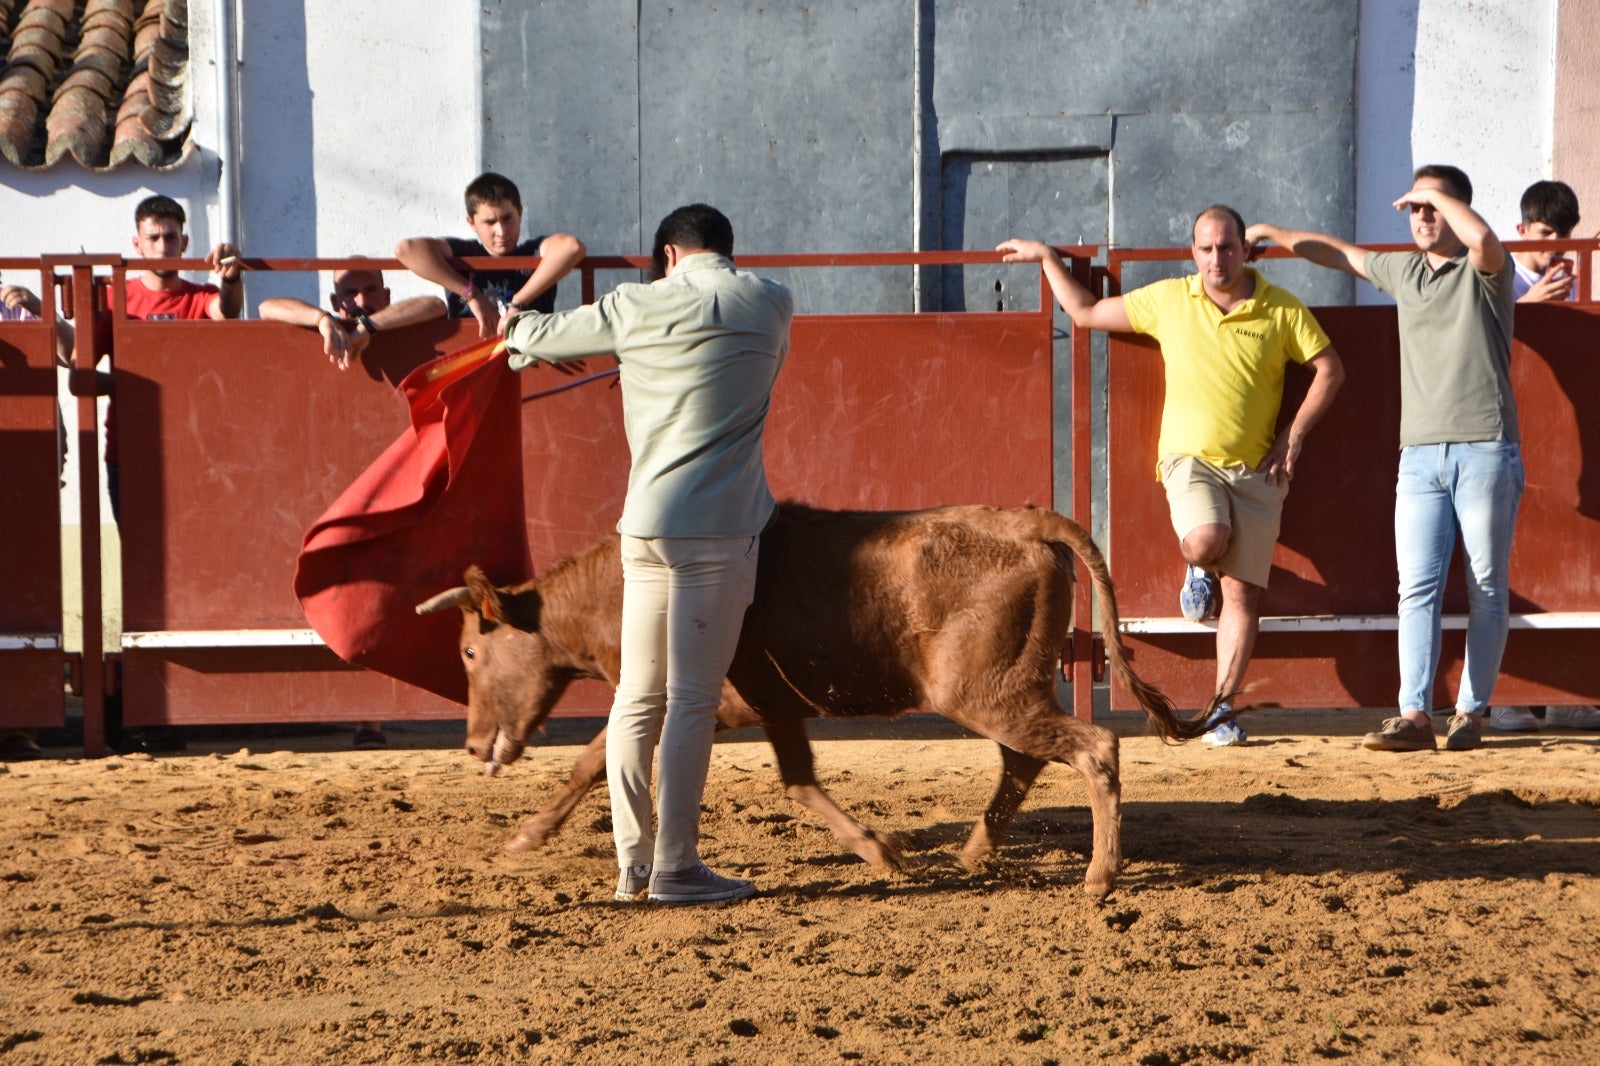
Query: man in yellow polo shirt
{"points": [[1226, 334]]}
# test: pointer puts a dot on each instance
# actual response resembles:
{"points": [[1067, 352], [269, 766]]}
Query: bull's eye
{"points": [[471, 653]]}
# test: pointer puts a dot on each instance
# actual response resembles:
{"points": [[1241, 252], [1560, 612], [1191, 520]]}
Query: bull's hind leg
{"points": [[1044, 733], [795, 765]]}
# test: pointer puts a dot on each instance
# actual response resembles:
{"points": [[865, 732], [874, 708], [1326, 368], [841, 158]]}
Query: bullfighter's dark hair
{"points": [[1455, 177], [492, 188], [1220, 211], [692, 226], [159, 206], [1553, 203]]}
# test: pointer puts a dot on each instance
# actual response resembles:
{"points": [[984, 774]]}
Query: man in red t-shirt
{"points": [[158, 234], [154, 295], [151, 295]]}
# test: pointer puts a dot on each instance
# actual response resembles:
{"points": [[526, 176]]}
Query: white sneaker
{"points": [[1513, 720], [1572, 717]]}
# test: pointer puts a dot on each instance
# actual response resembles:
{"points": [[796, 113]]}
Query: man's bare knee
{"points": [[1204, 545]]}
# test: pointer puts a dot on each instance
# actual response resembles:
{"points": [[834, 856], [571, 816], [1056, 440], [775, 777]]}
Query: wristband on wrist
{"points": [[366, 321], [471, 289], [320, 316]]}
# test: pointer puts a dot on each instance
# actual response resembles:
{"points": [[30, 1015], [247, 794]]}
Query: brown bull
{"points": [[960, 610]]}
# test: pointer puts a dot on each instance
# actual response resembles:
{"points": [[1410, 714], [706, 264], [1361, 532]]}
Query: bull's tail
{"points": [[1157, 707]]}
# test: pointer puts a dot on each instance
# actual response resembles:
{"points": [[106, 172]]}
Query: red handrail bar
{"points": [[1585, 248]]}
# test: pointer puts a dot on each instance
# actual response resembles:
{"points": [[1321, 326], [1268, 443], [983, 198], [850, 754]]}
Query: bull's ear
{"points": [[484, 597]]}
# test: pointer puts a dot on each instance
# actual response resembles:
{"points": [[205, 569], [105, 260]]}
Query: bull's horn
{"points": [[460, 596]]}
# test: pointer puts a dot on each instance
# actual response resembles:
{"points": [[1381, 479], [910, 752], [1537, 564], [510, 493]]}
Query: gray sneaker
{"points": [[1571, 718], [633, 883], [1401, 734], [697, 885], [1514, 720], [1466, 732]]}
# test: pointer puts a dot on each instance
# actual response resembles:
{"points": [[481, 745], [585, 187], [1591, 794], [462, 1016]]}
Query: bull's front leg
{"points": [[793, 749], [588, 771]]}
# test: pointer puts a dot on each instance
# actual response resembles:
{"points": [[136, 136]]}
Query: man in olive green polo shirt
{"points": [[1460, 452], [1226, 335]]}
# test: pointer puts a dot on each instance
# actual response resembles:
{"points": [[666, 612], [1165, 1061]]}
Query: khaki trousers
{"points": [[683, 604]]}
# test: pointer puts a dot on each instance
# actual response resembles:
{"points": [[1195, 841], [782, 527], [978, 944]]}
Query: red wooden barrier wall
{"points": [[236, 435], [31, 689]]}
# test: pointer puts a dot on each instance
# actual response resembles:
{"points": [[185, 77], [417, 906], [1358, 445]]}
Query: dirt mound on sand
{"points": [[1295, 900]]}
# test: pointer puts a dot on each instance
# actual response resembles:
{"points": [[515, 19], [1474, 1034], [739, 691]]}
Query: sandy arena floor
{"points": [[1296, 900]]}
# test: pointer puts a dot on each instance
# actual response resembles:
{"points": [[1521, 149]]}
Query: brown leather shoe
{"points": [[1466, 732], [1401, 734]]}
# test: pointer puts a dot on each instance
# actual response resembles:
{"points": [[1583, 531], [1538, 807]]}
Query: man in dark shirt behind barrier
{"points": [[494, 211]]}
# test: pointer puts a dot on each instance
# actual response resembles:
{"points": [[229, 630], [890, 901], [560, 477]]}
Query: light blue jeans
{"points": [[683, 604], [1444, 489]]}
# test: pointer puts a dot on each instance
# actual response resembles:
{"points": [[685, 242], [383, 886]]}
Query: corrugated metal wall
{"points": [[837, 126]]}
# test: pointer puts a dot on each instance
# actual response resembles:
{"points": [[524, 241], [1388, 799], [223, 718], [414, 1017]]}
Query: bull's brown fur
{"points": [[960, 610]]}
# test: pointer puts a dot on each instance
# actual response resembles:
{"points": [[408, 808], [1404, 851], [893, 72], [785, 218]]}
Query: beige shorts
{"points": [[1200, 494]]}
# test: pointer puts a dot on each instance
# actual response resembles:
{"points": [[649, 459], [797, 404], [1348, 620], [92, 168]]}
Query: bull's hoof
{"points": [[880, 851], [975, 858], [1099, 881], [527, 840]]}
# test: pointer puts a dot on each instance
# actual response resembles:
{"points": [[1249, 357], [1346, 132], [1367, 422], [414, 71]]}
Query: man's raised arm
{"points": [[223, 261], [1319, 248], [1484, 250], [1087, 310], [584, 332]]}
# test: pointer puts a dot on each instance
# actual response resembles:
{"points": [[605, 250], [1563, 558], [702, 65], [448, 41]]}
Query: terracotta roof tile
{"points": [[102, 82]]}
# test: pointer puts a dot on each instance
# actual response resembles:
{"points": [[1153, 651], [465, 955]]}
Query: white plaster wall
{"points": [[375, 140], [1576, 151], [1386, 66], [1467, 82], [361, 126], [1486, 96]]}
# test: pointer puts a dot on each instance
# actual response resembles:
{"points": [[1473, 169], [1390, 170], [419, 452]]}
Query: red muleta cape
{"points": [[447, 493]]}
